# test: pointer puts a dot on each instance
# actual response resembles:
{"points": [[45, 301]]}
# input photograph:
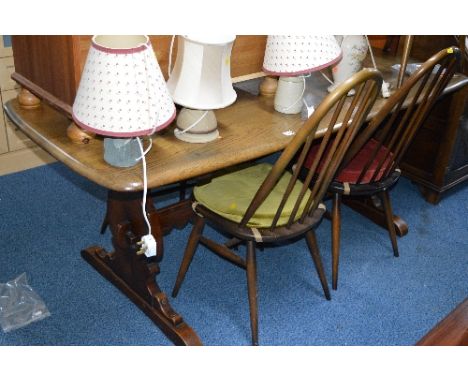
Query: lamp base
{"points": [[196, 126], [78, 135], [268, 86], [288, 97], [121, 152], [196, 138]]}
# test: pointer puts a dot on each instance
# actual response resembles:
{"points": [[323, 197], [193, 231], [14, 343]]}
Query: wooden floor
{"points": [[451, 331]]}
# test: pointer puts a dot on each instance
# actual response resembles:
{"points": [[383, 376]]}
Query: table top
{"points": [[249, 129]]}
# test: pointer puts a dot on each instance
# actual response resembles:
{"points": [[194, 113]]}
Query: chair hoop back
{"points": [[396, 123], [336, 111]]}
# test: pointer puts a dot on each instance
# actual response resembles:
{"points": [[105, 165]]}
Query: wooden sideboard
{"points": [[437, 160], [51, 66], [17, 151]]}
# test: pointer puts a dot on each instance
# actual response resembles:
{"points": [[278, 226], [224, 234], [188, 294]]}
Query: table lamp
{"points": [[291, 57], [354, 48], [122, 94], [201, 82]]}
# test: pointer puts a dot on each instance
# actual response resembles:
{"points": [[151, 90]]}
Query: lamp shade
{"points": [[201, 78], [122, 92], [295, 55]]}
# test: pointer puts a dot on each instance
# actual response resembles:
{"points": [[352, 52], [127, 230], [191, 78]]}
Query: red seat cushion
{"points": [[351, 172]]}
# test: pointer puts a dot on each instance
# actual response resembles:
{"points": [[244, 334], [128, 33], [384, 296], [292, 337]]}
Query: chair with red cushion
{"points": [[370, 167]]}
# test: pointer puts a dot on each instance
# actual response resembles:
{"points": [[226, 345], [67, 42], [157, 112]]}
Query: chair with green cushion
{"points": [[270, 204]]}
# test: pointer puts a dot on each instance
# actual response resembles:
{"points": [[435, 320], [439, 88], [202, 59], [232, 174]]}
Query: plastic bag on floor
{"points": [[19, 304]]}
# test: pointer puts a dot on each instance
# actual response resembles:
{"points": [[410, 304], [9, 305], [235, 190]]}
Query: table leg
{"points": [[133, 274]]}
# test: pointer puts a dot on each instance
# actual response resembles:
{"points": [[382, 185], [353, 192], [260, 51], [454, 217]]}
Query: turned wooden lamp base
{"points": [[78, 135], [268, 86], [28, 100]]}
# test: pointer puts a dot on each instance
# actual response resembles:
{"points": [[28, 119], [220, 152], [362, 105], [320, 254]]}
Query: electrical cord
{"points": [[177, 132], [300, 97], [327, 78], [385, 85], [148, 242], [145, 179], [169, 65]]}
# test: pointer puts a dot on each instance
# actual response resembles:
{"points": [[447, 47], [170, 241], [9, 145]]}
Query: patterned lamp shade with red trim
{"points": [[295, 55], [122, 92]]}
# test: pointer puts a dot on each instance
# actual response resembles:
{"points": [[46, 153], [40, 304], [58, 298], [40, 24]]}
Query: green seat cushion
{"points": [[230, 195]]}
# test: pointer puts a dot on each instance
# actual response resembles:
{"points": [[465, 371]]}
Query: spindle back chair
{"points": [[264, 203]]}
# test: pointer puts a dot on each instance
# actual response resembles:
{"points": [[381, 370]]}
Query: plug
{"points": [[385, 89], [148, 246]]}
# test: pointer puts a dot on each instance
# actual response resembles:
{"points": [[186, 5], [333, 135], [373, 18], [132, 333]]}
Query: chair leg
{"points": [[189, 252], [389, 216], [336, 225], [314, 251], [252, 290], [104, 225]]}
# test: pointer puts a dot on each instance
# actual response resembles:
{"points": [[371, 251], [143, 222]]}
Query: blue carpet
{"points": [[48, 214]]}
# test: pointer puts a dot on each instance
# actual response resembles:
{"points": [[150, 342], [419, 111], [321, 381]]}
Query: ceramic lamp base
{"points": [[196, 126], [196, 138], [288, 97], [120, 152], [354, 49]]}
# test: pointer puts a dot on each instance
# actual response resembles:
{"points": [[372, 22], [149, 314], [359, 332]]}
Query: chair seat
{"points": [[351, 173], [230, 195]]}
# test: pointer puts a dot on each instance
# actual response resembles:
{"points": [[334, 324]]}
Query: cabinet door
{"points": [[16, 139]]}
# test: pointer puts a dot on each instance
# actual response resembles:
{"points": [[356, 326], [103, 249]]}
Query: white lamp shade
{"points": [[122, 92], [201, 78], [295, 55]]}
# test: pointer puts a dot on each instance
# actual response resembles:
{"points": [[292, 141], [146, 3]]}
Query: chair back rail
{"points": [[350, 116], [394, 127]]}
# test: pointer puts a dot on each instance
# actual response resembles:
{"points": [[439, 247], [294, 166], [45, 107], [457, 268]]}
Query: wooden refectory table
{"points": [[249, 129]]}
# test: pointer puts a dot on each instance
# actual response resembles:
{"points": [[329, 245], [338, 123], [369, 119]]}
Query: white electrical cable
{"points": [[300, 97], [371, 53], [385, 85], [147, 150], [169, 65], [177, 132], [145, 182], [327, 78]]}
